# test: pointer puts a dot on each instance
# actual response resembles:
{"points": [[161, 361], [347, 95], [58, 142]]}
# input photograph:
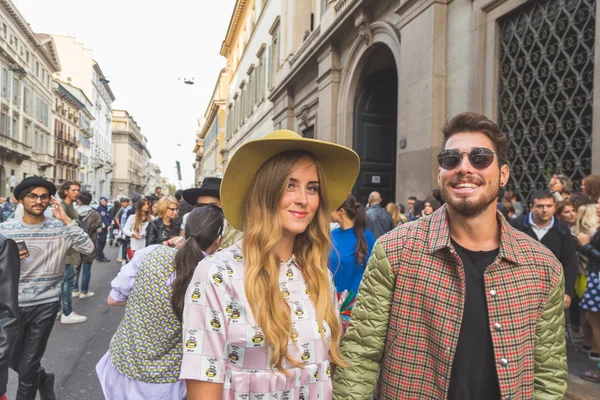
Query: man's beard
{"points": [[470, 208], [33, 212]]}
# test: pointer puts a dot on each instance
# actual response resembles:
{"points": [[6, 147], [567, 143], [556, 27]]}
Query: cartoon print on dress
{"points": [[235, 311], [294, 334], [214, 320], [290, 273], [237, 256], [254, 336], [218, 276], [285, 292], [197, 293], [324, 330], [304, 289], [229, 269], [193, 340], [307, 352], [299, 310], [304, 393], [314, 373], [261, 396], [236, 354], [212, 369], [288, 394]]}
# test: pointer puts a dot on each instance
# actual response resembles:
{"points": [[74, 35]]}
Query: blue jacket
{"points": [[104, 214], [347, 272]]}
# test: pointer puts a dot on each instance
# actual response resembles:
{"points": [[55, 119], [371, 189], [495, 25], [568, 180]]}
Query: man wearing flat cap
{"points": [[45, 242], [209, 193]]}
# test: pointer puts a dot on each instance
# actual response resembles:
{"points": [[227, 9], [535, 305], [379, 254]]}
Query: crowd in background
{"points": [[173, 282], [572, 219]]}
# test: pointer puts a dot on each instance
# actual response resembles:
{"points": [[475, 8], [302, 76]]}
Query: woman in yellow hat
{"points": [[261, 316]]}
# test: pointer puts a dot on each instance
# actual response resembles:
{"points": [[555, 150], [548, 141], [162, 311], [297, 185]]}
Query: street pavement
{"points": [[74, 350]]}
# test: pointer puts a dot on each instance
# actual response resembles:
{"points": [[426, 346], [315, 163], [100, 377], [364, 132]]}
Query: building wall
{"points": [[26, 120], [66, 139], [130, 156], [76, 64], [102, 140], [79, 69], [446, 55], [249, 61]]}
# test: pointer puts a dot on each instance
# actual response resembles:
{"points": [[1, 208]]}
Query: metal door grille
{"points": [[546, 79]]}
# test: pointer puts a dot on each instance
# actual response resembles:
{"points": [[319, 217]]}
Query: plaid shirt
{"points": [[406, 322]]}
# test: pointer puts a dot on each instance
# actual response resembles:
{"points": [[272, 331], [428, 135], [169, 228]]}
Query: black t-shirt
{"points": [[474, 373]]}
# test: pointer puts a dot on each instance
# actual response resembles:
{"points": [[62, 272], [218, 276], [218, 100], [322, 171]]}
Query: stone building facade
{"points": [[84, 122], [154, 178], [250, 50], [130, 155], [383, 76], [27, 62], [78, 68], [71, 130], [211, 135]]}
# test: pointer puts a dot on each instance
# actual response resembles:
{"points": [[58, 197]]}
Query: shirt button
{"points": [[497, 327], [509, 397], [493, 293], [503, 362]]}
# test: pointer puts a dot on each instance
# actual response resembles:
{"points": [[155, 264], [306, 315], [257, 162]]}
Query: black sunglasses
{"points": [[479, 157]]}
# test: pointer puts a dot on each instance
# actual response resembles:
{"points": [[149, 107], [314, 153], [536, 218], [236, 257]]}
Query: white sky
{"points": [[143, 48]]}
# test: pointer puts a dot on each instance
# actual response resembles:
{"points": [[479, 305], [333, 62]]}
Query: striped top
{"points": [[47, 243]]}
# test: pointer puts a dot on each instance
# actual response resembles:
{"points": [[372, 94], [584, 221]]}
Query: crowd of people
{"points": [[461, 295]]}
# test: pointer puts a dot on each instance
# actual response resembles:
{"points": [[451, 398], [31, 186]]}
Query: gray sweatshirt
{"points": [[48, 242]]}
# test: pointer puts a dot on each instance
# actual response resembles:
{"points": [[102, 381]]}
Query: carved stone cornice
{"points": [[234, 22]]}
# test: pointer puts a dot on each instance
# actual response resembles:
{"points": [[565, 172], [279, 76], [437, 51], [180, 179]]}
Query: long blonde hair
{"points": [[262, 232], [393, 209], [587, 220]]}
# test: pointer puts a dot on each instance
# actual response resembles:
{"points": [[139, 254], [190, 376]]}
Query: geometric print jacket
{"points": [[147, 346], [404, 329]]}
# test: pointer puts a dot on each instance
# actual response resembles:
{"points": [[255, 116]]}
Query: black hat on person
{"points": [[34, 181], [135, 198], [210, 187]]}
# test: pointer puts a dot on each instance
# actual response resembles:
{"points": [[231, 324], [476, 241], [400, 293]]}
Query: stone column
{"points": [[421, 96], [328, 83], [283, 109]]}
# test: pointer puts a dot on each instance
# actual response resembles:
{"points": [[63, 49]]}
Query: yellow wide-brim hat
{"points": [[340, 167]]}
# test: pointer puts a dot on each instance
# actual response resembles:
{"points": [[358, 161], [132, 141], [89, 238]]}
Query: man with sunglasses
{"points": [[209, 193], [46, 241], [459, 305]]}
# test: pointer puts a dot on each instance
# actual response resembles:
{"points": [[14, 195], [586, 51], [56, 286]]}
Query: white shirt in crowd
{"points": [[540, 232], [135, 244]]}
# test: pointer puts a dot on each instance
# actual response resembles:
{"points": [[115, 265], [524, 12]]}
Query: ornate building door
{"points": [[375, 136], [546, 80]]}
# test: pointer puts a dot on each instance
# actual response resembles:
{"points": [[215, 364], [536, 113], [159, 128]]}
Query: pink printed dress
{"points": [[223, 344]]}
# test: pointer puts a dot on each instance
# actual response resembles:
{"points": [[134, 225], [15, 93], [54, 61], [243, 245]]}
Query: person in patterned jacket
{"points": [[47, 241], [459, 305], [260, 317], [152, 287]]}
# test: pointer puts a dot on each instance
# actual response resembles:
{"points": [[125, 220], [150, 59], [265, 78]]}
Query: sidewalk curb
{"points": [[579, 389]]}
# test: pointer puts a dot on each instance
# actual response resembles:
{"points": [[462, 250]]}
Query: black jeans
{"points": [[35, 326], [101, 243]]}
